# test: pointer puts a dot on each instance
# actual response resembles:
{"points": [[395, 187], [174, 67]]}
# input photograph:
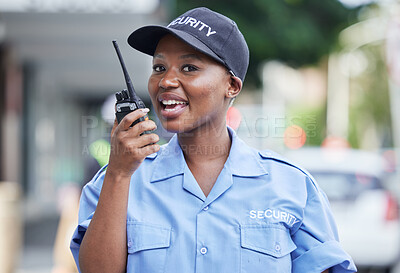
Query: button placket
{"points": [[202, 238]]}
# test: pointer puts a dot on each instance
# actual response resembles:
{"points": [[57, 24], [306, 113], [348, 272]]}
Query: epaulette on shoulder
{"points": [[270, 155]]}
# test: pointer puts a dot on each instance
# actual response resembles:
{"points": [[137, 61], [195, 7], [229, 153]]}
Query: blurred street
{"points": [[36, 260], [38, 248]]}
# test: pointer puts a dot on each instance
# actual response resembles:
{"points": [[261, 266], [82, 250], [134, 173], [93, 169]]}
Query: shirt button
{"points": [[277, 248], [205, 208], [203, 250]]}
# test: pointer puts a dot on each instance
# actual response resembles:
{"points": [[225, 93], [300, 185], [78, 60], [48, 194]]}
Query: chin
{"points": [[176, 127], [172, 127]]}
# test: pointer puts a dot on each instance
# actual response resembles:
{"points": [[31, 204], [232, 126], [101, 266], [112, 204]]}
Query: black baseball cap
{"points": [[207, 31]]}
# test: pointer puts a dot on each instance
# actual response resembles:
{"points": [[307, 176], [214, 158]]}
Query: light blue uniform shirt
{"points": [[262, 215]]}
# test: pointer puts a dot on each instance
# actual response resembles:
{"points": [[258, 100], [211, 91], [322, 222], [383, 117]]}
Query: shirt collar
{"points": [[242, 161], [169, 161]]}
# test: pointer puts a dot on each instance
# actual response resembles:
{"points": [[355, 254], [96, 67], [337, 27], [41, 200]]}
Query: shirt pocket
{"points": [[265, 248], [147, 247]]}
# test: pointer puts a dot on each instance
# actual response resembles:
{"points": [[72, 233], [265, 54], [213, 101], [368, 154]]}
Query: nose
{"points": [[169, 80]]}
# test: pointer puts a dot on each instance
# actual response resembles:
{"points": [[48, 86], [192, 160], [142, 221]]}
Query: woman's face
{"points": [[188, 89]]}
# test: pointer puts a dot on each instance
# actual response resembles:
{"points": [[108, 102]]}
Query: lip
{"points": [[170, 96], [179, 108]]}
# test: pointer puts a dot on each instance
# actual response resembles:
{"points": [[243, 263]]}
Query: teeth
{"points": [[170, 102]]}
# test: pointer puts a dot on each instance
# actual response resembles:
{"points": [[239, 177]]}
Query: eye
{"points": [[158, 68], [189, 68]]}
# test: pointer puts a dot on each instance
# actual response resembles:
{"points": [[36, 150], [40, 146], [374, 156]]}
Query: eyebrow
{"points": [[186, 56], [191, 56], [158, 56]]}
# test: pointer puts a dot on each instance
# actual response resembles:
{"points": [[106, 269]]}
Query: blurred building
{"points": [[57, 67]]}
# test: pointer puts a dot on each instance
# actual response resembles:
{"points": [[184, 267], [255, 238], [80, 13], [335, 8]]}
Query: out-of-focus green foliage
{"points": [[297, 32], [369, 102]]}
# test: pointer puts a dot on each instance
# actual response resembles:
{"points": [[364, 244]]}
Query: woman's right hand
{"points": [[128, 146], [107, 230]]}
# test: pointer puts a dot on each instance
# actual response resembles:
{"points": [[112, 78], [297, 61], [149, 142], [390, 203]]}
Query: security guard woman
{"points": [[205, 202]]}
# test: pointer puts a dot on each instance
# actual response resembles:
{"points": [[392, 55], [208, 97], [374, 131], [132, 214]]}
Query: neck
{"points": [[206, 145]]}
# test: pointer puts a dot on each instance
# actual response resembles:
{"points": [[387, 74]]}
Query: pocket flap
{"points": [[273, 240], [142, 236]]}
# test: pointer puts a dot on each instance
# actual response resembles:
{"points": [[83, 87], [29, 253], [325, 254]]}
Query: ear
{"points": [[235, 86]]}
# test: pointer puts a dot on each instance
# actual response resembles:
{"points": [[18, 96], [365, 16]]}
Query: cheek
{"points": [[202, 94], [212, 86], [215, 90]]}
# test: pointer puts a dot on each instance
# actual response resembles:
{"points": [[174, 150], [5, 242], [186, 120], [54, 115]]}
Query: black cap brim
{"points": [[145, 39]]}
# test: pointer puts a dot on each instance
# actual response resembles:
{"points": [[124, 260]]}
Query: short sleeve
{"points": [[87, 206], [317, 240]]}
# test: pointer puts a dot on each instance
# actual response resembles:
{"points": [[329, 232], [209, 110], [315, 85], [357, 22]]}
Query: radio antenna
{"points": [[128, 81]]}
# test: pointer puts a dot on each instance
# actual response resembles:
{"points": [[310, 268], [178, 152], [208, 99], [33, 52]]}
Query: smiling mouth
{"points": [[173, 105]]}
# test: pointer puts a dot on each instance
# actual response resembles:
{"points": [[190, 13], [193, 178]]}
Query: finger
{"points": [[139, 128], [149, 149], [147, 139], [127, 121]]}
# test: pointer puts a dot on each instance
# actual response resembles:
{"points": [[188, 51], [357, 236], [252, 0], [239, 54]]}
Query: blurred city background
{"points": [[323, 88]]}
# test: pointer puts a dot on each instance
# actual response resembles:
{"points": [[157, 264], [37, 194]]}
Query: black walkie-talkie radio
{"points": [[127, 99]]}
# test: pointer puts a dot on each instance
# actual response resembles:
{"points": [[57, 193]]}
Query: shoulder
{"points": [[277, 162], [97, 181], [268, 156]]}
